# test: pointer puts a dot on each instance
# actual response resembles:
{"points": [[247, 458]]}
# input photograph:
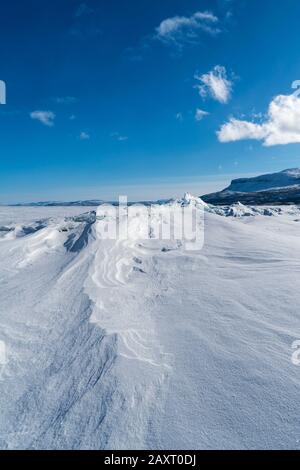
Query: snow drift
{"points": [[139, 343]]}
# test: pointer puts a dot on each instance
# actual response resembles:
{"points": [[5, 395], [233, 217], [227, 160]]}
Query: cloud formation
{"points": [[280, 126], [179, 117], [65, 99], [45, 117], [200, 114], [82, 9], [84, 136], [181, 29], [119, 137], [215, 84]]}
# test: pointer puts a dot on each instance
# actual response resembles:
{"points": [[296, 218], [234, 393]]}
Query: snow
{"points": [[276, 188], [281, 179], [141, 344], [189, 199]]}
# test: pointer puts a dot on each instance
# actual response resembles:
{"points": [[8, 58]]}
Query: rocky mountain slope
{"points": [[275, 188]]}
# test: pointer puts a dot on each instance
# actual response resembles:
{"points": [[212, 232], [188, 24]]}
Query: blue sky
{"points": [[102, 97]]}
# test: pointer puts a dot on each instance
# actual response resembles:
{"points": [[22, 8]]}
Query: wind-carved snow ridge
{"points": [[135, 342], [126, 289], [123, 281], [123, 289], [57, 363]]}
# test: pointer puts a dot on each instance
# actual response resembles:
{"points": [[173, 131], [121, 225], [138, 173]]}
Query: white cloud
{"points": [[45, 117], [216, 84], [84, 136], [236, 129], [200, 114], [180, 29], [281, 125], [179, 117], [117, 136]]}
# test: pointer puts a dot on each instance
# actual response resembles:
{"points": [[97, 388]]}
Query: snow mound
{"points": [[190, 199], [239, 210]]}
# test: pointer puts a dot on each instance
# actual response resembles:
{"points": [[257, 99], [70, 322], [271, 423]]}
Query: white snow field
{"points": [[142, 344]]}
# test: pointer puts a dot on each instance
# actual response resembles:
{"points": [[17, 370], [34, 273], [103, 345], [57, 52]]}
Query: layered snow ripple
{"points": [[136, 342]]}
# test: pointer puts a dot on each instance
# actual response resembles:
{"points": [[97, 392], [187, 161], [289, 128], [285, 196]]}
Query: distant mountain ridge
{"points": [[273, 188], [84, 203], [278, 188], [89, 203]]}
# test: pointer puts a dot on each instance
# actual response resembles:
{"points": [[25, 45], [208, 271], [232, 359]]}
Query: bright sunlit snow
{"points": [[126, 344]]}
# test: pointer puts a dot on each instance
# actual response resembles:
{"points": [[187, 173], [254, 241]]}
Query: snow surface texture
{"points": [[134, 344]]}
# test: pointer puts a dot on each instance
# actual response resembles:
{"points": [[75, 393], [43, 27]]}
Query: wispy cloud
{"points": [[45, 117], [82, 9], [119, 137], [215, 84], [85, 31], [85, 22], [84, 136], [179, 117], [200, 114], [65, 99], [280, 126], [181, 29]]}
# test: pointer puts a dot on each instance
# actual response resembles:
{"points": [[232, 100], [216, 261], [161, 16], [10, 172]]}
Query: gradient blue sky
{"points": [[124, 97]]}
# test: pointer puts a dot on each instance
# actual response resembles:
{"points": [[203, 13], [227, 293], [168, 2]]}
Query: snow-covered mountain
{"points": [[275, 188], [290, 177]]}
